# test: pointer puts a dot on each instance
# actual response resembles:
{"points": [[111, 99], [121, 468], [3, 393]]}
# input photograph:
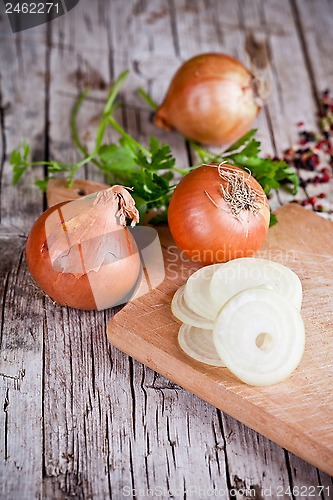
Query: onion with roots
{"points": [[81, 253], [212, 99], [218, 213]]}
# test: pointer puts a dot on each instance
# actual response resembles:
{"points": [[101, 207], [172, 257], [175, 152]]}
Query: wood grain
{"points": [[296, 414], [22, 116]]}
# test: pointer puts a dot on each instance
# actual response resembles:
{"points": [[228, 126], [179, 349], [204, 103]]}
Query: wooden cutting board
{"points": [[298, 413]]}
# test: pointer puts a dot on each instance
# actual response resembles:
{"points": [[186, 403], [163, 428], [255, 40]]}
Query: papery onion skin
{"points": [[74, 290], [211, 99], [206, 233]]}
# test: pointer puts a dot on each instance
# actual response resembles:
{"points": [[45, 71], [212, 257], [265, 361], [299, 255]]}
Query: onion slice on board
{"points": [[241, 274], [260, 336], [181, 310], [197, 292], [198, 344]]}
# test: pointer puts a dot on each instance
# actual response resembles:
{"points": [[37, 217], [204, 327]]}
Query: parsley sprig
{"points": [[244, 153], [150, 171]]}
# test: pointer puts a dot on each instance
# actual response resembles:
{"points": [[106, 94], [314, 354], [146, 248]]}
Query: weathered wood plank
{"points": [[23, 116], [182, 445], [21, 346], [254, 462], [315, 28], [76, 404], [142, 39], [316, 32], [89, 68]]}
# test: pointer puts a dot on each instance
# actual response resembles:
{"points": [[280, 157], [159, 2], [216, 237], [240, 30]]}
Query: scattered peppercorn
{"points": [[314, 151]]}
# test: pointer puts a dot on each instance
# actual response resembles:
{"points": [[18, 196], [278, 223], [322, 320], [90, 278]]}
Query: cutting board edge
{"points": [[319, 458]]}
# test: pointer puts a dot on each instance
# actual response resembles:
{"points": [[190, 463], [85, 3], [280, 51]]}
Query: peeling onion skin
{"points": [[211, 99], [206, 233], [74, 290]]}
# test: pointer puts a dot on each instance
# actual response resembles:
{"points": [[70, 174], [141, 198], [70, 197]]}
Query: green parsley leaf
{"points": [[19, 161], [141, 205], [242, 141], [117, 161], [54, 167], [273, 220], [160, 156], [271, 174], [42, 184]]}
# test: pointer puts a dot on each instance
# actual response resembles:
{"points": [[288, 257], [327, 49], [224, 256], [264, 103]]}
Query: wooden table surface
{"points": [[78, 418]]}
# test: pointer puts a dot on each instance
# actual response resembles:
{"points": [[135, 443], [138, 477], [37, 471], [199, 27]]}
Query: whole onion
{"points": [[81, 253], [212, 99], [218, 213]]}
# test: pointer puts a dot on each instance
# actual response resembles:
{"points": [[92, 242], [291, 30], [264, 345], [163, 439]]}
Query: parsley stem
{"points": [[76, 166], [51, 163], [107, 112], [146, 97], [73, 122], [204, 154], [114, 91], [74, 130], [113, 122], [182, 171]]}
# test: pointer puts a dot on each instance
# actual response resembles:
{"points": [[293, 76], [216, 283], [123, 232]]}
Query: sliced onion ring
{"points": [[181, 310], [198, 344], [241, 274], [260, 336], [197, 292]]}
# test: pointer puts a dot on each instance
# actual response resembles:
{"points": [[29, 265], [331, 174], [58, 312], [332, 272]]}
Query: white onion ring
{"points": [[198, 344], [241, 274], [181, 310], [260, 336], [197, 292]]}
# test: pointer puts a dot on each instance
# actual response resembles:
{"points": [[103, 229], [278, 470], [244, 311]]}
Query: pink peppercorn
{"points": [[326, 177]]}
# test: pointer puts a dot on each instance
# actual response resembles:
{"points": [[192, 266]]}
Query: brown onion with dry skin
{"points": [[218, 213], [212, 99], [81, 253]]}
